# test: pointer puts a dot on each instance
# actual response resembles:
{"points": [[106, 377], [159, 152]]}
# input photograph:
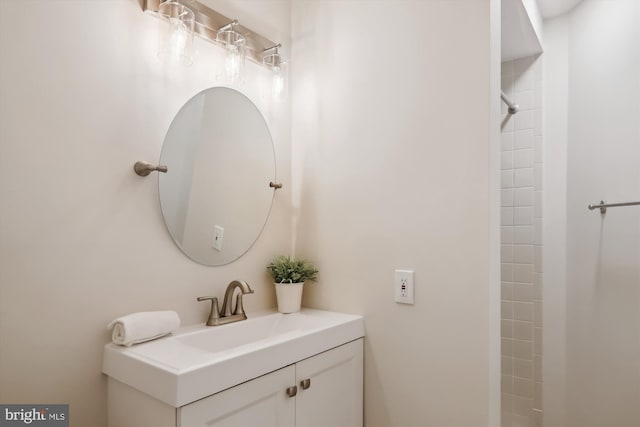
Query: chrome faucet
{"points": [[221, 317]]}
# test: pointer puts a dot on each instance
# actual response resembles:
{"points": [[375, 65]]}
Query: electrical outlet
{"points": [[403, 285], [218, 233]]}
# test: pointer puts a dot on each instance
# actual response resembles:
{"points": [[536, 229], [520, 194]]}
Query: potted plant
{"points": [[289, 275]]}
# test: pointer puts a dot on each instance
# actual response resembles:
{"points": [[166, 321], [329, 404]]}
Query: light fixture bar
{"points": [[209, 22]]}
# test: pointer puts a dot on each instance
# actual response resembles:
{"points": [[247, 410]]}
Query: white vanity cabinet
{"points": [[325, 390]]}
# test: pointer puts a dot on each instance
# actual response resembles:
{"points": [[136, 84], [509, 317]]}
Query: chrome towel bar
{"points": [[604, 205]]}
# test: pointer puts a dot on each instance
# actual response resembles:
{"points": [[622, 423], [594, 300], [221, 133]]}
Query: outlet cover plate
{"points": [[403, 286]]}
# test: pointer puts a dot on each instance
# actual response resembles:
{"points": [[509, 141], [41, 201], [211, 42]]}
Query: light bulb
{"points": [[177, 40], [277, 84], [233, 67]]}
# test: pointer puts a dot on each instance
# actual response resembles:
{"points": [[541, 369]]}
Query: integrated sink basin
{"points": [[198, 361]]}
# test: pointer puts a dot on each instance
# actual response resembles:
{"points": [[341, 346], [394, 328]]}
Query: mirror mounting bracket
{"points": [[144, 168]]}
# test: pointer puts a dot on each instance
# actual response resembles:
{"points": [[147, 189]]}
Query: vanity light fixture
{"points": [[272, 60], [240, 42], [234, 44], [176, 39]]}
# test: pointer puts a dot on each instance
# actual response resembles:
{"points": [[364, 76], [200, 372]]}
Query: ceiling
{"points": [[551, 8]]}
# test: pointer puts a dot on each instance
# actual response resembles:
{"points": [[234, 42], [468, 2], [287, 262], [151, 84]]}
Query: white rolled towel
{"points": [[143, 326]]}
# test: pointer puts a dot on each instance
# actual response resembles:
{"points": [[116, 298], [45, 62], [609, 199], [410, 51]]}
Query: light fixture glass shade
{"points": [[233, 66], [176, 38], [277, 76]]}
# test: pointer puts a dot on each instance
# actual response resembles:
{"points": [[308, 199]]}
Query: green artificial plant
{"points": [[285, 269]]}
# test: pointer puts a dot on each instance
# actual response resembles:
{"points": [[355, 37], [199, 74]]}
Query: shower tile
{"points": [[523, 158], [506, 416], [506, 403], [522, 349], [506, 384], [537, 260], [537, 314], [523, 405], [537, 368], [522, 65], [537, 341], [506, 235], [537, 233], [522, 292], [522, 184], [506, 179], [537, 69], [523, 197], [537, 418], [523, 139], [506, 216], [506, 328], [506, 310], [524, 81], [506, 253], [506, 272], [537, 95], [506, 365], [522, 331], [507, 347], [522, 234], [506, 68], [537, 285], [507, 81], [524, 388], [522, 368], [507, 141], [506, 160], [506, 294], [523, 273], [538, 177], [506, 197], [538, 148], [523, 177], [523, 254], [537, 204], [525, 100], [523, 216], [524, 120], [523, 311], [537, 395], [537, 121], [521, 421]]}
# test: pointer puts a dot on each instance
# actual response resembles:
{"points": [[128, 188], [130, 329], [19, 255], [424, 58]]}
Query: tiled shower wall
{"points": [[521, 248]]}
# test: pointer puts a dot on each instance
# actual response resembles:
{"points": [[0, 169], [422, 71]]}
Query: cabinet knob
{"points": [[305, 384], [292, 391]]}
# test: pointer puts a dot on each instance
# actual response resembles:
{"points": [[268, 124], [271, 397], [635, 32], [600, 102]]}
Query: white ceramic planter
{"points": [[289, 296]]}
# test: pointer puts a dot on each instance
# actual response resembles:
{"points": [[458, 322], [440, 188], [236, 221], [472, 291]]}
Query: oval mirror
{"points": [[215, 197]]}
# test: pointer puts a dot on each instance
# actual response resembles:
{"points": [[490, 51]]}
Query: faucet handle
{"points": [[214, 316]]}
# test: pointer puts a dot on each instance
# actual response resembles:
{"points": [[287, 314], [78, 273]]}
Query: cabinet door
{"points": [[260, 402], [334, 394]]}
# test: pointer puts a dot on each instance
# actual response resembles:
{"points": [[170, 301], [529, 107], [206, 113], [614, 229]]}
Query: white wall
{"points": [[602, 308], [555, 94], [391, 134], [81, 236]]}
